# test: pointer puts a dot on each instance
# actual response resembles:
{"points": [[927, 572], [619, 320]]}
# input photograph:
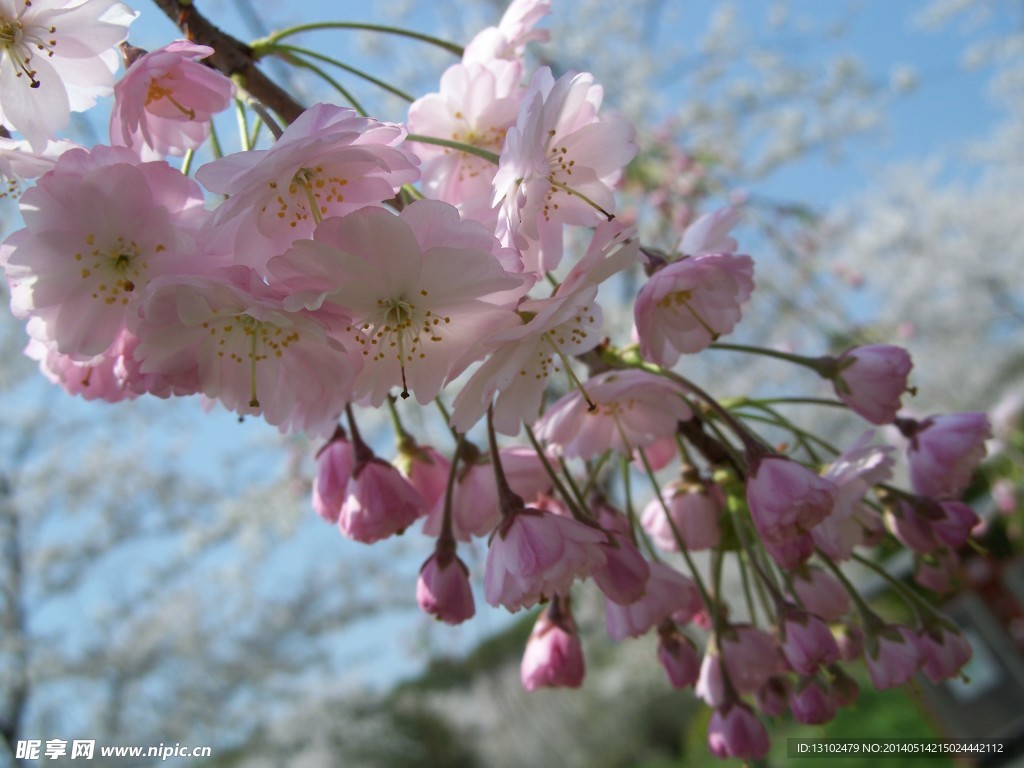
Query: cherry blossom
{"points": [[165, 100], [329, 162], [412, 323], [509, 39], [521, 360], [98, 228], [231, 337], [559, 165], [633, 409], [56, 59]]}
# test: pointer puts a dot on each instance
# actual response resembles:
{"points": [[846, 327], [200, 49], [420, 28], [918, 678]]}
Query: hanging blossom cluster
{"points": [[351, 263]]}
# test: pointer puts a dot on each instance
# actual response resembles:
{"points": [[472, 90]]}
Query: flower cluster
{"points": [[356, 263]]}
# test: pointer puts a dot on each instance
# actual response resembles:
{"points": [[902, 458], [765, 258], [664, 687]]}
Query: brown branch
{"points": [[232, 57]]}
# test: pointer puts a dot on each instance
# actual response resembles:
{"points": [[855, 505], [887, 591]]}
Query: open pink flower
{"points": [[694, 510], [688, 304], [633, 409], [417, 286], [477, 103], [854, 472], [786, 499], [98, 229], [55, 59], [559, 166], [329, 162], [668, 594], [508, 40], [18, 161], [231, 337], [521, 359], [871, 379], [164, 102], [536, 554]]}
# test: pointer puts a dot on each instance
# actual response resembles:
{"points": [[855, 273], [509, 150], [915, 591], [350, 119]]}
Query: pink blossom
{"points": [[534, 555], [687, 305], [710, 233], [791, 553], [669, 594], [871, 379], [807, 642], [813, 702], [786, 499], [679, 658], [751, 656], [475, 507], [416, 287], [329, 155], [710, 687], [379, 502], [633, 410], [522, 359], [944, 652], [559, 165], [944, 450], [231, 337], [893, 656], [844, 688], [334, 464], [508, 40], [955, 526], [554, 655], [773, 697], [624, 576], [57, 58], [694, 510], [164, 102], [912, 521], [850, 639], [854, 472], [98, 229], [936, 570], [443, 590], [18, 161], [735, 731], [477, 103], [821, 593]]}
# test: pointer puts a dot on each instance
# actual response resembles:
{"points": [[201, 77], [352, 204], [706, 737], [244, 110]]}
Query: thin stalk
{"points": [[259, 45], [347, 67], [186, 163], [469, 149], [570, 500], [814, 363], [243, 125], [345, 93]]}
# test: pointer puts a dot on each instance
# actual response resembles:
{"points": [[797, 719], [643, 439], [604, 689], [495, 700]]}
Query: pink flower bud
{"points": [[793, 553], [786, 499], [944, 450], [751, 656], [812, 702], [892, 656], [379, 502], [821, 593], [807, 642], [850, 640], [844, 688], [943, 653], [871, 379], [773, 697], [679, 659], [554, 655], [693, 510], [443, 589], [935, 571], [623, 577], [912, 522], [333, 470], [955, 525], [710, 686], [735, 731]]}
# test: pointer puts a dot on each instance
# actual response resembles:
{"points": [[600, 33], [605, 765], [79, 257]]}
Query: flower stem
{"points": [[259, 45]]}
